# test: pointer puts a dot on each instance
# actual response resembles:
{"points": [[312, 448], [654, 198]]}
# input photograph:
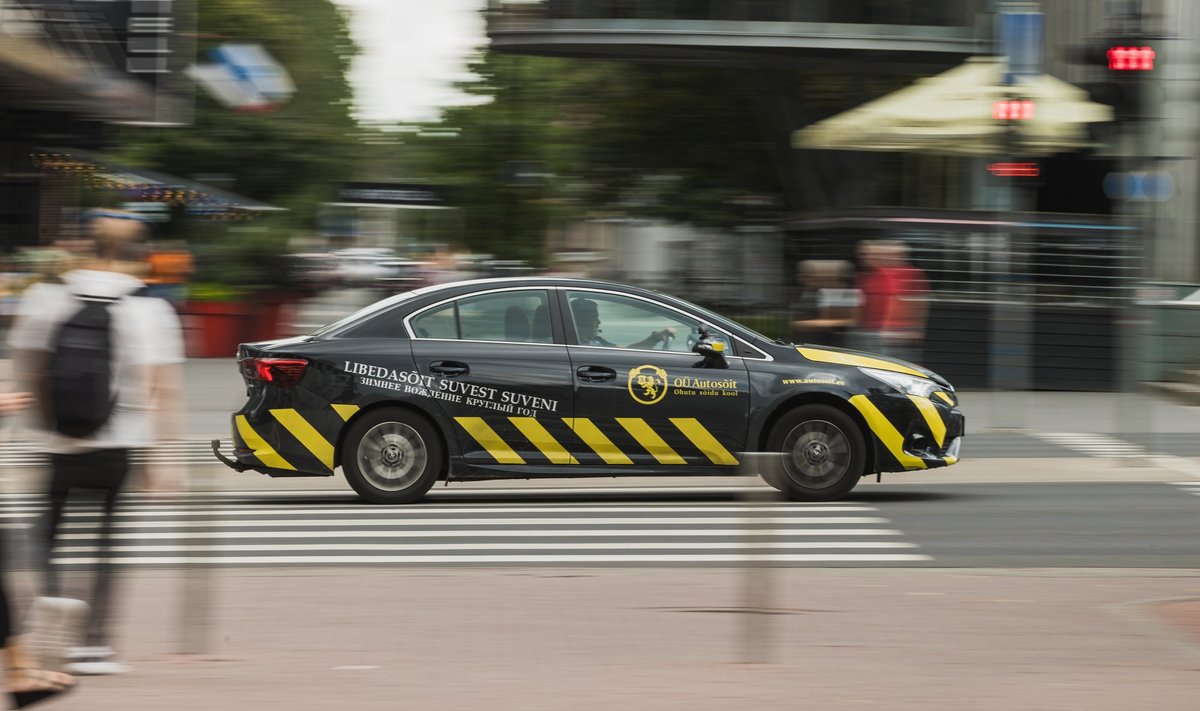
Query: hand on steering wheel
{"points": [[667, 335]]}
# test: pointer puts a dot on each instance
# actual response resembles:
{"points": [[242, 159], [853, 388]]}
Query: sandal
{"points": [[28, 685]]}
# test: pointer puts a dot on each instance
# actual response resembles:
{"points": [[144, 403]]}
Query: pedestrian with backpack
{"points": [[102, 362]]}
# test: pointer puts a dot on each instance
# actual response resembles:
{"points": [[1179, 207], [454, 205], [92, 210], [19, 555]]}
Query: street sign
{"points": [[1021, 31]]}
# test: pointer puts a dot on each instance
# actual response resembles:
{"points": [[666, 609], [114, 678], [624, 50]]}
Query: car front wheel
{"points": [[823, 453], [392, 456]]}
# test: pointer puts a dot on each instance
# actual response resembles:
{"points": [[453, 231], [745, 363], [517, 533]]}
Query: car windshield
{"points": [[717, 319], [364, 312]]}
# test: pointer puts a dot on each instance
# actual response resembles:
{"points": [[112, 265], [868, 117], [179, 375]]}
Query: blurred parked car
{"points": [[362, 266], [405, 275]]}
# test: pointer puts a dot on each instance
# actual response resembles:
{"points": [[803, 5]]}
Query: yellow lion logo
{"points": [[647, 384]]}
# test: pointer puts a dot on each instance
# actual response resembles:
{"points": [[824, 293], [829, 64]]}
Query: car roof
{"points": [[458, 288], [518, 281]]}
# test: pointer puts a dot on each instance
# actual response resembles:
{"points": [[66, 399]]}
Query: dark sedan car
{"points": [[547, 377]]}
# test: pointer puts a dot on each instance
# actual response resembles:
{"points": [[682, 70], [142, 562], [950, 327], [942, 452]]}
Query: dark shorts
{"points": [[97, 469]]}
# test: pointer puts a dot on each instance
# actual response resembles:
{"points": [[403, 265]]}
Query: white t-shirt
{"points": [[146, 333]]}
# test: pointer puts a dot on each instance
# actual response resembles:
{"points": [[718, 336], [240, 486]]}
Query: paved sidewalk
{"points": [[988, 640]]}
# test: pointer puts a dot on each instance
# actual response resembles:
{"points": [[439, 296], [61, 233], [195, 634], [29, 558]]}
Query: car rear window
{"points": [[514, 316]]}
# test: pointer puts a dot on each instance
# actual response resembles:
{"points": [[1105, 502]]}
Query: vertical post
{"points": [[1020, 28], [758, 579], [196, 600], [1136, 153]]}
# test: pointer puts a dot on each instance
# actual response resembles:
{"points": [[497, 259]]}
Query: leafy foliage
{"points": [[293, 156], [603, 138]]}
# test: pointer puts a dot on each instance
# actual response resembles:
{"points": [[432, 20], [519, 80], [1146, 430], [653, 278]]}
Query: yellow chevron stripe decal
{"points": [[703, 439], [591, 435], [489, 440], [822, 356], [933, 418], [946, 397], [312, 440], [345, 411], [886, 432], [649, 439], [543, 440], [263, 451]]}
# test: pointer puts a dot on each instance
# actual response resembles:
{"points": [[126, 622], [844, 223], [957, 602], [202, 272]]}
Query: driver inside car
{"points": [[587, 323]]}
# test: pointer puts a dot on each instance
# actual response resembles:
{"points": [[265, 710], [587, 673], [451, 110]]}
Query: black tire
{"points": [[824, 454], [392, 456]]}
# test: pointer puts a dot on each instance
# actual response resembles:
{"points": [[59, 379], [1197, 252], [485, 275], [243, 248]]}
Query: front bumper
{"points": [[911, 432]]}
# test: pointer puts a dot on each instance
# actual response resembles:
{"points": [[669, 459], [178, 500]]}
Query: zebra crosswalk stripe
{"points": [[316, 528], [1092, 444]]}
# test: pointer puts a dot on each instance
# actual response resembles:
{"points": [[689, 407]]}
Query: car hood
{"points": [[845, 356]]}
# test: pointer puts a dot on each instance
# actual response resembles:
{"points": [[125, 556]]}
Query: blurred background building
{"points": [[1086, 232], [68, 71], [699, 146]]}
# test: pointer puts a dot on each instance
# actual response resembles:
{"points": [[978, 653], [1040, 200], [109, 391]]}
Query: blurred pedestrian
{"points": [[891, 320], [911, 307], [825, 306], [170, 268], [135, 347], [24, 680]]}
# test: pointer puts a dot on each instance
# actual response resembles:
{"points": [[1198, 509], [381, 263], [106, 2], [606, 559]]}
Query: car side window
{"points": [[439, 322], [386, 324], [511, 316], [602, 319]]}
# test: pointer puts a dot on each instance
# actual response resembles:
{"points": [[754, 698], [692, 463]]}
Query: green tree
{"points": [[291, 157], [676, 143]]}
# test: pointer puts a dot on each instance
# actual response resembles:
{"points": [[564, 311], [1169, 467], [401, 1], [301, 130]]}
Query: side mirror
{"points": [[712, 348]]}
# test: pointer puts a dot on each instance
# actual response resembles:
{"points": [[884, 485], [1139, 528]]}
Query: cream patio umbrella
{"points": [[952, 114]]}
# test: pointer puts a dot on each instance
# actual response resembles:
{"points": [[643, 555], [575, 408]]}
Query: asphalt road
{"points": [[1043, 525]]}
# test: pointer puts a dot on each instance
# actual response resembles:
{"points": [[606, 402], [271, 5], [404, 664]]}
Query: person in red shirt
{"points": [[891, 320]]}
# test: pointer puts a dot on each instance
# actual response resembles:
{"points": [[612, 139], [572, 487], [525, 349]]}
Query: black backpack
{"points": [[79, 372]]}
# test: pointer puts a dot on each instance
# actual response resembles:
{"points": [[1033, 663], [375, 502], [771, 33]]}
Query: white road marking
{"points": [[290, 528], [1092, 444], [453, 491], [539, 521], [423, 511], [510, 559], [543, 534], [612, 545]]}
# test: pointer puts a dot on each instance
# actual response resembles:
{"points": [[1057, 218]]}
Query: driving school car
{"points": [[553, 377]]}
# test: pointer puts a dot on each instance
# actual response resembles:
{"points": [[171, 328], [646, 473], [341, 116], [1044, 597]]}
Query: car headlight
{"points": [[907, 384]]}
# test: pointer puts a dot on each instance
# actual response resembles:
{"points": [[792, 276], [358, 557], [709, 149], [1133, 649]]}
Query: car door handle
{"points": [[449, 368], [595, 373]]}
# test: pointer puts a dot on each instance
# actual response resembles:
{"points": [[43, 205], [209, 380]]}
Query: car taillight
{"points": [[284, 372]]}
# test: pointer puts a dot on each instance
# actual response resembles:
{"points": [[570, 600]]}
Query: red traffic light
{"points": [[1131, 59], [1013, 110], [1014, 170]]}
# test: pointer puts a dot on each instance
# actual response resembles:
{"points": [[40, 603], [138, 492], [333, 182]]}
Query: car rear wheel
{"points": [[392, 456], [823, 453]]}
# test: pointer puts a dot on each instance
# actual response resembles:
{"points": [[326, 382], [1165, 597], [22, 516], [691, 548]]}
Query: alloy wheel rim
{"points": [[816, 454], [391, 456]]}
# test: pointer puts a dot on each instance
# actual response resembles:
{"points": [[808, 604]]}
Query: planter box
{"points": [[213, 329]]}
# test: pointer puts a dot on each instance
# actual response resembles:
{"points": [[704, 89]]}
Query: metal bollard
{"points": [[196, 600], [758, 580]]}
